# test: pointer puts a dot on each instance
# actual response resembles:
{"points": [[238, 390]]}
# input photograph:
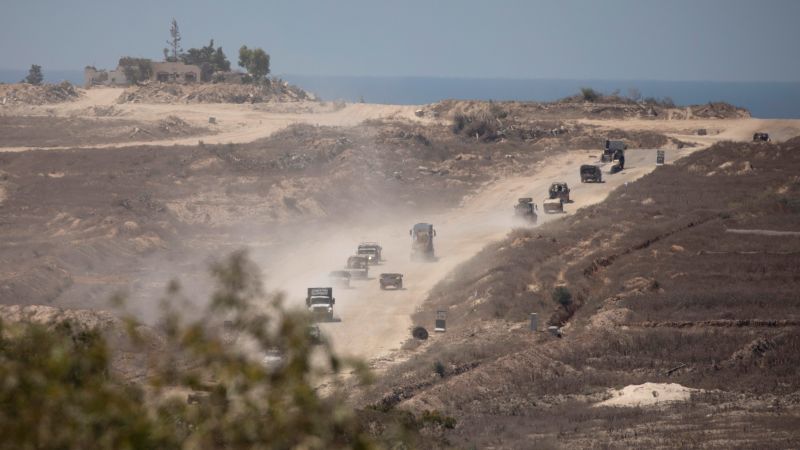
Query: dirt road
{"points": [[372, 324]]}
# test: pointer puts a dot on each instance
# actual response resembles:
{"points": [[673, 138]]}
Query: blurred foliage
{"points": [[57, 389]]}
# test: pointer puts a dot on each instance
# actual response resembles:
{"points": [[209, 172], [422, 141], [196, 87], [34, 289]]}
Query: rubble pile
{"points": [[274, 90], [28, 94]]}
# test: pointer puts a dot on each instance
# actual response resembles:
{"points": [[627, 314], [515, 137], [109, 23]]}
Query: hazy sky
{"points": [[720, 40]]}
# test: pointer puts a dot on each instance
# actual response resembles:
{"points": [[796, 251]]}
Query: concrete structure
{"points": [[175, 72], [167, 72], [94, 77]]}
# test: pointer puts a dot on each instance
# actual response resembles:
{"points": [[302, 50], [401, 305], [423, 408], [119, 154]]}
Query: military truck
{"points": [[320, 303], [526, 210], [358, 266], [394, 280], [613, 150], [559, 189], [372, 250], [422, 235], [553, 206], [590, 173], [760, 137], [339, 278]]}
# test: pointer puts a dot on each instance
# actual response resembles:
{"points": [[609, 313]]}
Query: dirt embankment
{"points": [[273, 90], [574, 108], [655, 252], [46, 94], [44, 131]]}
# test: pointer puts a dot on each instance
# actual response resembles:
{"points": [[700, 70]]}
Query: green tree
{"points": [[562, 296], [57, 389], [35, 76], [255, 61], [208, 58], [136, 70], [174, 50]]}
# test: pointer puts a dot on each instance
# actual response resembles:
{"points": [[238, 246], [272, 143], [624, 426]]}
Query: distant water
{"points": [[763, 99]]}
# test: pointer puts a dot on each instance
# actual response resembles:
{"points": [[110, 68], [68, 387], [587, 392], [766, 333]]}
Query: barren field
{"points": [[99, 197]]}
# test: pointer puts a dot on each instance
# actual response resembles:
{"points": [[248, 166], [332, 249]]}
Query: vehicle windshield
{"points": [[366, 251], [320, 301]]}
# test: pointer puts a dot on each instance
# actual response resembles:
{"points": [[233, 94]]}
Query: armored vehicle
{"points": [[372, 250], [760, 137], [320, 303], [525, 209], [393, 280], [358, 266], [559, 189], [590, 173], [422, 235], [613, 150]]}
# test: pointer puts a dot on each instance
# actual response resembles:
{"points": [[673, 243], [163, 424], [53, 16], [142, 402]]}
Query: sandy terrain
{"points": [[374, 323]]}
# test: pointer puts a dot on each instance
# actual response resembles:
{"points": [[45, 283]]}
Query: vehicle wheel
{"points": [[383, 288], [420, 333]]}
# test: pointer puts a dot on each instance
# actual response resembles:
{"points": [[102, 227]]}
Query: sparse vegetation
{"points": [[589, 94]]}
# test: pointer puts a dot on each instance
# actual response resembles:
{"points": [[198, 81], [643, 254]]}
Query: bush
{"points": [[589, 94], [562, 296], [57, 391]]}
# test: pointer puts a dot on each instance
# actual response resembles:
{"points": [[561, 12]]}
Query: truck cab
{"points": [[422, 235], [319, 302], [372, 250]]}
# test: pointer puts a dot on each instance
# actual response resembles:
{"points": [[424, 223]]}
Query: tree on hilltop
{"points": [[174, 50], [255, 61], [35, 76]]}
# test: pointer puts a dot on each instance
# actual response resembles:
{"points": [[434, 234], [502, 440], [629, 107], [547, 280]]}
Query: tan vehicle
{"points": [[358, 266], [393, 280], [553, 206]]}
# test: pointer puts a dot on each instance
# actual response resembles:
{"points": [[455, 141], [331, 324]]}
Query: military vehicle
{"points": [[559, 189], [422, 235], [320, 303], [340, 278], [760, 137], [613, 150], [553, 205], [372, 250], [358, 266], [590, 173], [394, 280], [525, 209]]}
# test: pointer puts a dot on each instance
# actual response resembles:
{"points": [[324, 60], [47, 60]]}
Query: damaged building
{"points": [[166, 72]]}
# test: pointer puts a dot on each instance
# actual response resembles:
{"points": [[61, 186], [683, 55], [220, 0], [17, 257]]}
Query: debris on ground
{"points": [[28, 94], [274, 90]]}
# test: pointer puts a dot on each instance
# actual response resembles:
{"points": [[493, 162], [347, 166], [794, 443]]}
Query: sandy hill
{"points": [[688, 276]]}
